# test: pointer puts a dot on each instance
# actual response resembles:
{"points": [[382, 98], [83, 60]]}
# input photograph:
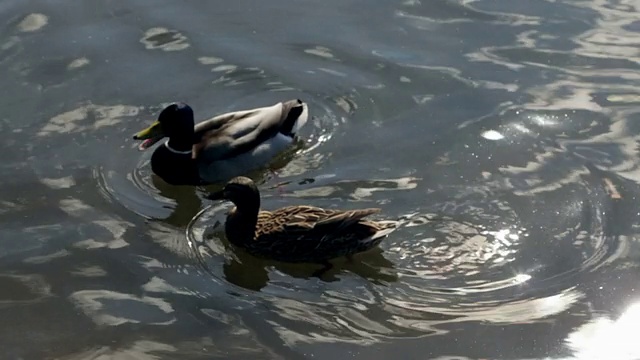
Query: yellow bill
{"points": [[150, 135]]}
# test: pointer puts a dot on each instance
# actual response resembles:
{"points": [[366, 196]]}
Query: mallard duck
{"points": [[223, 147], [297, 233]]}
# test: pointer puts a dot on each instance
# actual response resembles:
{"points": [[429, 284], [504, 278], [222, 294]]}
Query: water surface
{"points": [[503, 135]]}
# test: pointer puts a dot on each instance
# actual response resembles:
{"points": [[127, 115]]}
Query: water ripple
{"points": [[477, 263]]}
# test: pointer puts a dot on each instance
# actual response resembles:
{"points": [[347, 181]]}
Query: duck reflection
{"points": [[252, 273], [188, 203]]}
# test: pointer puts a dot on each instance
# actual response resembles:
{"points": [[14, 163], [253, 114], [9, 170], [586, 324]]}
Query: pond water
{"points": [[503, 135]]}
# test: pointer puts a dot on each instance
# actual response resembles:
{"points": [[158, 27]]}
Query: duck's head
{"points": [[175, 121], [241, 191]]}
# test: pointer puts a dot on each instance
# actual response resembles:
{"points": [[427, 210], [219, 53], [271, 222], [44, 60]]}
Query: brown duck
{"points": [[297, 233]]}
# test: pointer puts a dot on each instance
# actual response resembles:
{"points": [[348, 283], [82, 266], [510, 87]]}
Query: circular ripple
{"points": [[472, 267], [435, 270]]}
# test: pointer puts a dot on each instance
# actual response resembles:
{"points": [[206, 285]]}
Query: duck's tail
{"points": [[385, 227], [297, 114], [382, 229]]}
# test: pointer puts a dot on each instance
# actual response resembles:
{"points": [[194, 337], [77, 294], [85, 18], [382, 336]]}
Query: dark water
{"points": [[504, 135]]}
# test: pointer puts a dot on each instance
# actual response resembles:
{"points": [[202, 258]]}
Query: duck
{"points": [[223, 147], [299, 233]]}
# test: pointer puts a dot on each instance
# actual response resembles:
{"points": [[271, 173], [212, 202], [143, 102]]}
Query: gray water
{"points": [[503, 134]]}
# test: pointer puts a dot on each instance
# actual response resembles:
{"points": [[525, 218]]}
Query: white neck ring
{"points": [[186, 152]]}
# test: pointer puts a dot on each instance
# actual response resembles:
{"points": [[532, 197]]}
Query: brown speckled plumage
{"points": [[297, 233]]}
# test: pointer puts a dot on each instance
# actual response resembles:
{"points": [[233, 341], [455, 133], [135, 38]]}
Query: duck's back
{"points": [[238, 143], [310, 234]]}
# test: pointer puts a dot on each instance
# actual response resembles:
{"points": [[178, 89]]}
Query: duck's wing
{"points": [[296, 220], [228, 135], [305, 232]]}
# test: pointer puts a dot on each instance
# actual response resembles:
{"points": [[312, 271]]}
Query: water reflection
{"points": [[33, 22], [112, 308], [504, 136], [78, 63], [23, 289], [606, 338], [164, 39], [88, 118]]}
